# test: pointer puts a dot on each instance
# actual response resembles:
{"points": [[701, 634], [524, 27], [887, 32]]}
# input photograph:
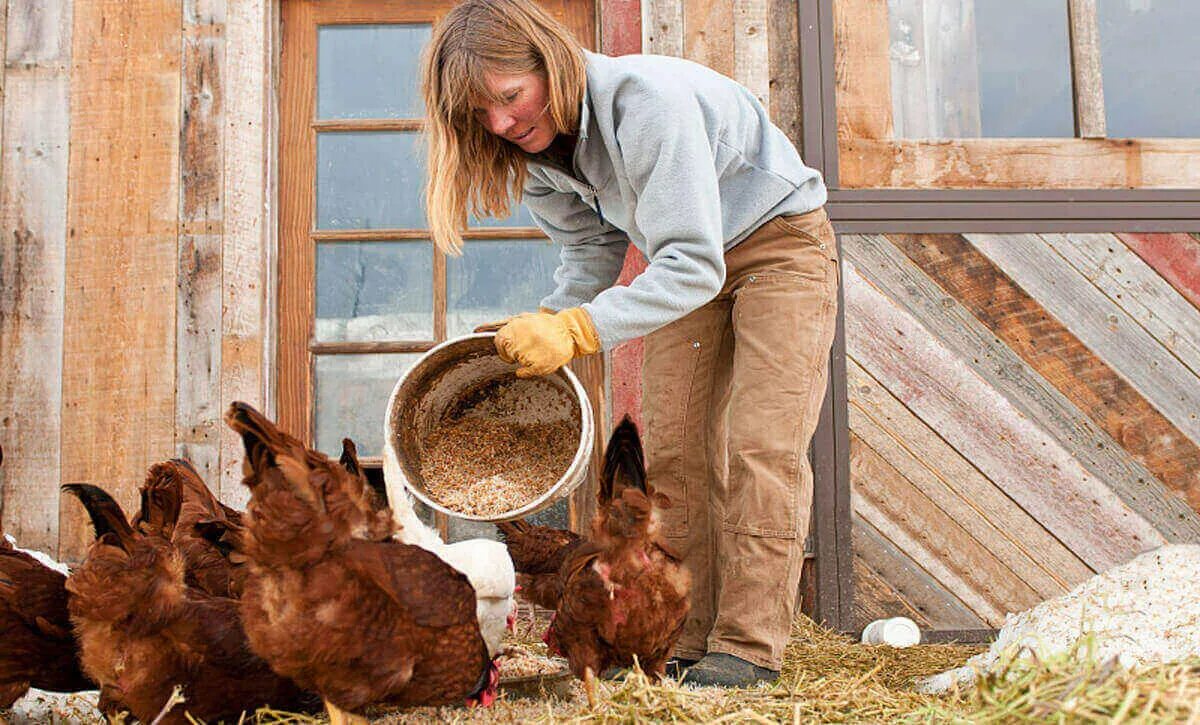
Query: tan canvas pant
{"points": [[731, 397]]}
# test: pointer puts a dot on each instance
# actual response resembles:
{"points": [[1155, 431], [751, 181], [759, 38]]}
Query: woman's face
{"points": [[522, 115]]}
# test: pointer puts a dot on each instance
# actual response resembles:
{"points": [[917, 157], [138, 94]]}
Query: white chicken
{"points": [[485, 563]]}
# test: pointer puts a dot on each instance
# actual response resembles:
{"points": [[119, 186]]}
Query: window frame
{"points": [[872, 163], [299, 237]]}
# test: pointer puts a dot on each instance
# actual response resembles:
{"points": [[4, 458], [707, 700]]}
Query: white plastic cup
{"points": [[897, 632]]}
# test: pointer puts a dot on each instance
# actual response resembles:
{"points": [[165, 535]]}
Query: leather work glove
{"points": [[542, 342], [495, 325]]}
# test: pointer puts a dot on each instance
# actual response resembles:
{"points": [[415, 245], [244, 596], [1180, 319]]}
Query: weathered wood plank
{"points": [[783, 44], [582, 504], [1175, 256], [247, 208], [751, 65], [708, 34], [620, 26], [1059, 357], [198, 404], [864, 95], [663, 33], [956, 487], [1026, 463], [902, 281], [1097, 321], [937, 567], [35, 42], [1135, 287], [122, 213], [875, 599], [1087, 86], [907, 508], [1017, 163], [912, 584]]}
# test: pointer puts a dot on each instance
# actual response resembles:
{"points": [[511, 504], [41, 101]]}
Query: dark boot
{"points": [[718, 669], [676, 666]]}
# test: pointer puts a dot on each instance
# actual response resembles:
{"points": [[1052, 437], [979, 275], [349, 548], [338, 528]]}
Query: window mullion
{"points": [[1085, 69], [439, 294]]}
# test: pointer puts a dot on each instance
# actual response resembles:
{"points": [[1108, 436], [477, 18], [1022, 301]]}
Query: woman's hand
{"points": [[542, 342]]}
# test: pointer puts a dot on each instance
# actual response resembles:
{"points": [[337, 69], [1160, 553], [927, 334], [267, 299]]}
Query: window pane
{"points": [[369, 71], [494, 279], [375, 291], [971, 68], [370, 180], [351, 399], [1150, 63]]}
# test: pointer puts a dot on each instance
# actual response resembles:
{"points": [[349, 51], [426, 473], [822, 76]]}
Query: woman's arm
{"points": [[669, 158], [592, 250]]}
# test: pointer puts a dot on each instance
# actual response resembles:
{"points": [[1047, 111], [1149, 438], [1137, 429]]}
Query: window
{"points": [[1017, 93], [362, 290]]}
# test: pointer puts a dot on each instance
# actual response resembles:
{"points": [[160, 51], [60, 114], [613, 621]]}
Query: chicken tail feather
{"points": [[106, 514], [259, 436], [624, 462], [349, 459], [162, 499], [511, 529]]}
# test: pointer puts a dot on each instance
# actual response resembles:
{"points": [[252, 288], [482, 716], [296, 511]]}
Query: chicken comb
{"points": [[623, 458], [106, 514]]}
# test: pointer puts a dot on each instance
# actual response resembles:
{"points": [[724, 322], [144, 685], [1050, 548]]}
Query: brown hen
{"points": [[333, 602], [38, 646], [623, 592], [206, 533], [142, 630]]}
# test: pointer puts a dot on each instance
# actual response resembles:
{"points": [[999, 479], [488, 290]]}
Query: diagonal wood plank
{"points": [[36, 41], [877, 481], [907, 285], [1175, 256], [897, 585], [1059, 357], [1103, 326], [1028, 465], [938, 569], [958, 488], [1137, 289]]}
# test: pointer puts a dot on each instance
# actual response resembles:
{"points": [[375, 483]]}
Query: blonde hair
{"points": [[468, 166]]}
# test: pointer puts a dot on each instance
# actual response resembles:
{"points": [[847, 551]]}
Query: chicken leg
{"points": [[589, 687], [338, 716]]}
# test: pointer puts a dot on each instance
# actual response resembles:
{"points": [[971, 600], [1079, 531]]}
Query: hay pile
{"points": [[830, 678]]}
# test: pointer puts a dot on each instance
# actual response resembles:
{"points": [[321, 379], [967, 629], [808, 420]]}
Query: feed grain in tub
{"points": [[503, 446]]}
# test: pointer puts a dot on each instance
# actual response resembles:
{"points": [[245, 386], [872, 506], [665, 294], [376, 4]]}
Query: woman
{"points": [[737, 304]]}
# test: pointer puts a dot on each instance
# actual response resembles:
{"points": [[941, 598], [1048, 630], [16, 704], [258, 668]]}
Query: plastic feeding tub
{"points": [[443, 410]]}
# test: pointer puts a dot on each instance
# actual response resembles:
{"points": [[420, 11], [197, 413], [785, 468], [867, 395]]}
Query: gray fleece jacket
{"points": [[677, 159]]}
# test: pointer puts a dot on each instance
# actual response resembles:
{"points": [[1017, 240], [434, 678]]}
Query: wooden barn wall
{"points": [[1023, 413], [135, 216]]}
